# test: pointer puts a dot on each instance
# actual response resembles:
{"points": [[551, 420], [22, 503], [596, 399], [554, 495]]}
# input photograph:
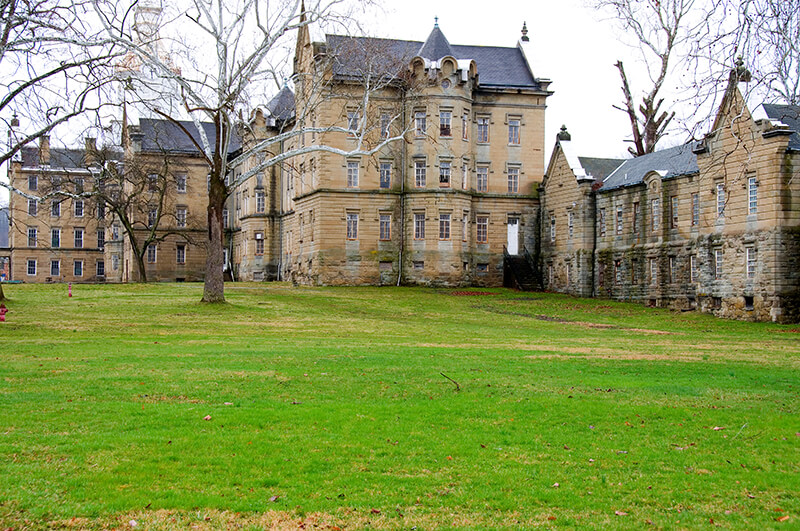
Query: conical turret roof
{"points": [[436, 46]]}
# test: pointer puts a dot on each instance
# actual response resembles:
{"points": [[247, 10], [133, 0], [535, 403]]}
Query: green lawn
{"points": [[329, 407]]}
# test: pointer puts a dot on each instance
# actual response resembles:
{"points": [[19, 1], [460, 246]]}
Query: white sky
{"points": [[573, 45]]}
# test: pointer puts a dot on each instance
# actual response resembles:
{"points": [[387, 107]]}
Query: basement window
{"points": [[748, 303]]}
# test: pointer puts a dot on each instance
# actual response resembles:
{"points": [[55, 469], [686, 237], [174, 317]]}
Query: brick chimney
{"points": [[44, 150], [90, 145]]}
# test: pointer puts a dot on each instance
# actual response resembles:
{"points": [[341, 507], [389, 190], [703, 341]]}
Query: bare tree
{"points": [[242, 47], [54, 67]]}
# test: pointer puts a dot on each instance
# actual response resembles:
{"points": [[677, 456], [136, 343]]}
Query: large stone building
{"points": [[438, 206], [711, 225]]}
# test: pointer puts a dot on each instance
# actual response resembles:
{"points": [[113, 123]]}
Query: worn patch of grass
{"points": [[329, 407]]}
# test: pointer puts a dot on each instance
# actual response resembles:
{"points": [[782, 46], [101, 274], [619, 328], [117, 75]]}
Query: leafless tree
{"points": [[53, 67], [241, 45]]}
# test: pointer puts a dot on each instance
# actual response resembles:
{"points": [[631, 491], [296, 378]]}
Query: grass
{"points": [[328, 407]]}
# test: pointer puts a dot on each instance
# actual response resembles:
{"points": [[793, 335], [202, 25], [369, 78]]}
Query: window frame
{"points": [[420, 173], [180, 183], [78, 208], [77, 268], [78, 237], [419, 226], [482, 229], [482, 178], [420, 124], [752, 195], [445, 174], [445, 220], [384, 227], [384, 175], [30, 261], [55, 238], [33, 236], [55, 271], [446, 124], [513, 179], [351, 229], [483, 123], [152, 253], [514, 126]]}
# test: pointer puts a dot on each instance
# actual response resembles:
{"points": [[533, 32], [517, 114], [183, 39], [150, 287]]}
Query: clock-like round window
{"points": [[446, 84]]}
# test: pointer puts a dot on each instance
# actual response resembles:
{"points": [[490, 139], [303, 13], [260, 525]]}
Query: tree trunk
{"points": [[2, 295], [214, 285], [140, 265]]}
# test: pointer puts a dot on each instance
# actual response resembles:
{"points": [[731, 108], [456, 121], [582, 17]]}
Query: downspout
{"points": [[402, 190], [280, 219], [593, 231]]}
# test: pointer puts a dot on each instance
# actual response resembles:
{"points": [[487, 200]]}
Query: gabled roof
{"points": [[167, 136], [281, 107], [599, 168], [497, 66], [669, 163], [436, 46], [789, 115]]}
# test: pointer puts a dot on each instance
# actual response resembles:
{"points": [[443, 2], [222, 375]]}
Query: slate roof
{"points": [[672, 162], [3, 227], [788, 114], [59, 158], [281, 107], [497, 66], [436, 46], [166, 136], [599, 168]]}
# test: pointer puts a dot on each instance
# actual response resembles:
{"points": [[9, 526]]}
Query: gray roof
{"points": [[599, 168], [167, 136], [59, 158], [672, 162], [497, 66], [281, 107], [788, 114], [436, 46], [4, 227]]}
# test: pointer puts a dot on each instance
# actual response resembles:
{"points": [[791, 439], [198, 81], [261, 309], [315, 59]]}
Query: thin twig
{"points": [[458, 387]]}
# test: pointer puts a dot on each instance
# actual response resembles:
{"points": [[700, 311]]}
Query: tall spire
{"points": [[525, 32], [436, 46]]}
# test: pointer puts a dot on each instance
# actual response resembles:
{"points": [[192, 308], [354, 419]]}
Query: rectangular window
{"points": [[259, 237], [55, 268], [617, 271], [673, 206], [445, 123], [151, 253], [180, 253], [620, 220], [552, 228], [720, 199], [718, 263], [152, 182], [513, 180], [115, 262], [180, 183], [483, 129], [673, 275], [261, 201], [602, 221], [444, 174], [31, 268], [385, 232], [752, 262], [33, 207], [693, 268], [419, 173], [634, 271], [465, 126], [78, 238], [225, 218], [752, 189], [33, 234], [483, 178], [77, 268], [78, 185], [655, 212], [419, 226], [385, 174], [101, 209], [513, 132], [352, 122], [482, 224], [418, 265], [152, 216], [100, 268], [420, 123], [465, 226], [570, 224], [444, 226], [78, 203], [33, 183], [55, 238], [101, 238], [115, 232], [653, 271], [55, 208], [695, 210], [385, 120], [636, 217], [180, 217], [464, 174], [352, 226]]}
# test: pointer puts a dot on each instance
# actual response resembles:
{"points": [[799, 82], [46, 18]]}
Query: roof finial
{"points": [[525, 32], [435, 22], [564, 135], [15, 120]]}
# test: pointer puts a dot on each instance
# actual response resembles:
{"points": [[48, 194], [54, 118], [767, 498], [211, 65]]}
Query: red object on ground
{"points": [[70, 289], [3, 312]]}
